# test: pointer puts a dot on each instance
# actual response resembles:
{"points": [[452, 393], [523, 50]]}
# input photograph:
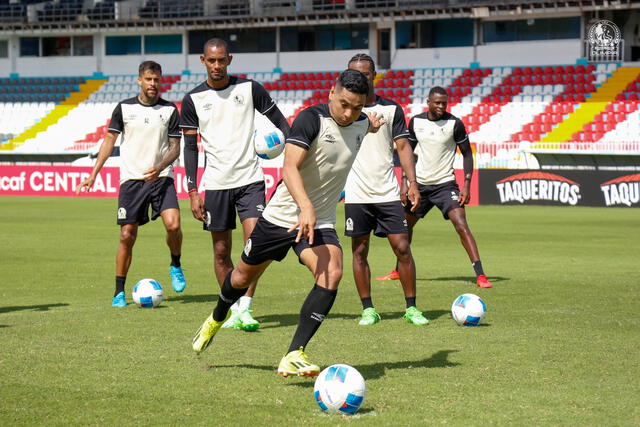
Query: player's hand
{"points": [[197, 206], [87, 184], [464, 197], [403, 191], [305, 225], [376, 121], [151, 174], [413, 194]]}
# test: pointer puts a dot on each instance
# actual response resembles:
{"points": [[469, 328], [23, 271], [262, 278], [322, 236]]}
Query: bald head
{"points": [[217, 44]]}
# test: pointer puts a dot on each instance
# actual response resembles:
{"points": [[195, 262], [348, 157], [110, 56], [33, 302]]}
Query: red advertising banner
{"points": [[62, 181]]}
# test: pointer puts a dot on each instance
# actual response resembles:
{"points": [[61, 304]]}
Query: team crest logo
{"points": [[330, 138], [358, 141], [349, 224], [454, 196], [207, 218], [239, 100], [122, 213], [603, 42], [247, 247]]}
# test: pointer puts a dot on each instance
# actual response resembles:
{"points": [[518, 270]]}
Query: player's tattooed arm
{"points": [[170, 156], [467, 166], [105, 152]]}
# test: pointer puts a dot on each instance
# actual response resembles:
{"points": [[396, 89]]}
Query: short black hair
{"points": [[354, 81], [438, 90], [217, 42], [149, 66], [363, 57]]}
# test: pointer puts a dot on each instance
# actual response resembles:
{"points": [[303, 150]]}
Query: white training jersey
{"points": [[372, 178], [225, 119], [436, 146], [331, 151], [144, 135]]}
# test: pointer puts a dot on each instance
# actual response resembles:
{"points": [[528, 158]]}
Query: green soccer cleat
{"points": [[369, 317], [207, 331], [234, 321], [297, 363], [415, 317], [247, 322]]}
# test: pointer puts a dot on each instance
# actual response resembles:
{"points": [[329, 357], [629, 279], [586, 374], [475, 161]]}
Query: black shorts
{"points": [[135, 196], [445, 196], [220, 206], [381, 218], [271, 242]]}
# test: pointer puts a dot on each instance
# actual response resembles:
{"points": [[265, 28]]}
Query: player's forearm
{"points": [[171, 155], [405, 155], [467, 160], [277, 118], [104, 153], [191, 159]]}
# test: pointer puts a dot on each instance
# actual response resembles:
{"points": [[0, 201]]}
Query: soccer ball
{"points": [[339, 389], [147, 293], [468, 310], [269, 144]]}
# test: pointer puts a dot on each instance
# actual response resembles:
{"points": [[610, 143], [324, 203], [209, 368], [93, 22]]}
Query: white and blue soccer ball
{"points": [[468, 310], [339, 389], [147, 293], [268, 143]]}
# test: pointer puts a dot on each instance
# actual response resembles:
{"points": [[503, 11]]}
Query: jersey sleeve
{"points": [[189, 116], [399, 126], [459, 132], [305, 129], [116, 123], [174, 124], [262, 101], [412, 135]]}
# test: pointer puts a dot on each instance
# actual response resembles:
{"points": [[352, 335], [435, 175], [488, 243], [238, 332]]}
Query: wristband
{"points": [[193, 190]]}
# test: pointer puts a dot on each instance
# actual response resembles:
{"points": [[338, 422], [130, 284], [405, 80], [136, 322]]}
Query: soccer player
{"points": [[437, 134], [320, 150], [222, 110], [372, 199], [150, 143]]}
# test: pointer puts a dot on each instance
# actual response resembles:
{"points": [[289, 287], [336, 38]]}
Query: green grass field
{"points": [[559, 345]]}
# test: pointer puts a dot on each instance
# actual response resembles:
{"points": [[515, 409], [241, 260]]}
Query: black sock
{"points": [[366, 303], [175, 260], [396, 266], [120, 284], [228, 295], [477, 267], [411, 301], [313, 311]]}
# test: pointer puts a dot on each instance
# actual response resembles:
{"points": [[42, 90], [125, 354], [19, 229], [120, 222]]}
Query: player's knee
{"points": [[221, 250], [128, 237], [173, 227], [334, 274], [402, 250]]}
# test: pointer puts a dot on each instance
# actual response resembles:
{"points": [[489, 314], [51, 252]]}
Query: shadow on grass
{"points": [[470, 279], [4, 326], [41, 307], [188, 299]]}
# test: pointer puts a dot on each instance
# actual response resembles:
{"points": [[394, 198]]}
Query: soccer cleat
{"points": [[415, 316], [177, 279], [247, 322], [119, 300], [207, 331], [369, 317], [234, 321], [297, 363], [394, 275], [483, 282]]}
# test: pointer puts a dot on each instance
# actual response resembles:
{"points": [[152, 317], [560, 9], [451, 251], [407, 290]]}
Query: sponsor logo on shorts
{"points": [[404, 222], [260, 208], [122, 213], [207, 218], [527, 186], [247, 247], [624, 190], [454, 195], [349, 224]]}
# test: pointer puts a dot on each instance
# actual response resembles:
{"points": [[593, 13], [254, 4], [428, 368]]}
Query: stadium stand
{"points": [[502, 107]]}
